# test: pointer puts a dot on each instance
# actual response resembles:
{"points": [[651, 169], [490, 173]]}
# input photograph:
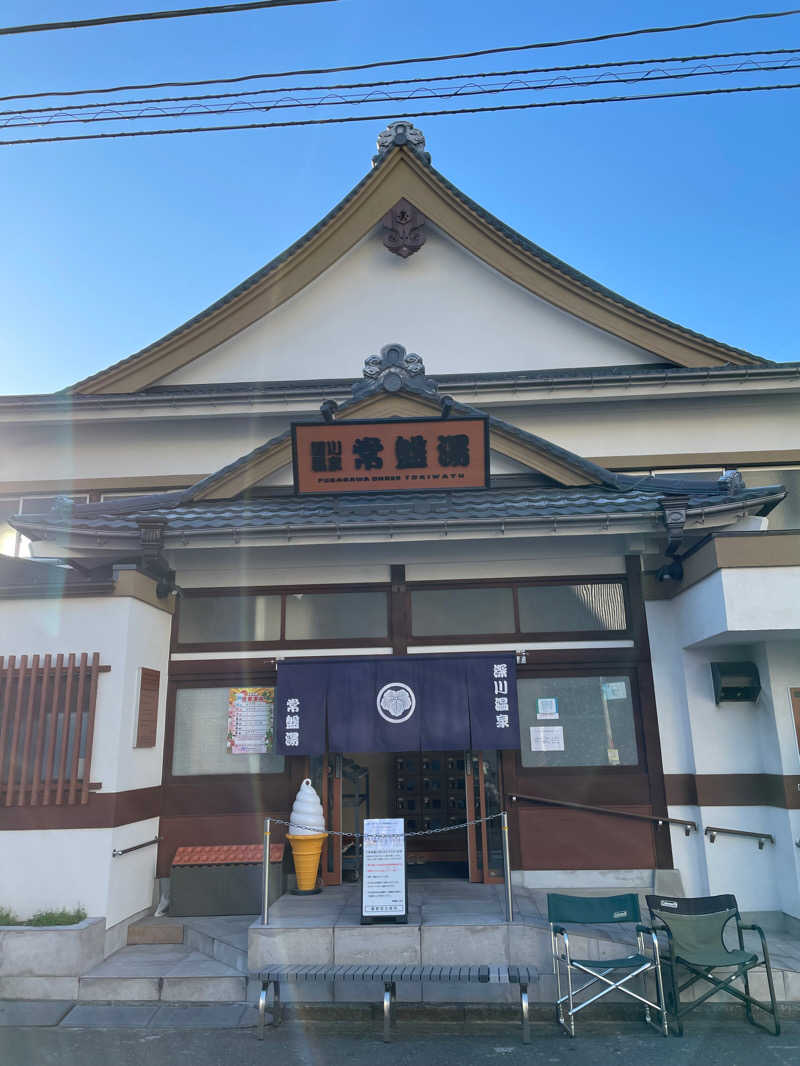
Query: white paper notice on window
{"points": [[547, 708], [615, 690], [547, 738]]}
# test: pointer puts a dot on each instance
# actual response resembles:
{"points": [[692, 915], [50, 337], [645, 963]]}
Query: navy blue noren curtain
{"points": [[397, 703]]}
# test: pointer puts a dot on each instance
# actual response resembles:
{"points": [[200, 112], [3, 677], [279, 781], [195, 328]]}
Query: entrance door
{"points": [[431, 793], [484, 835], [326, 777]]}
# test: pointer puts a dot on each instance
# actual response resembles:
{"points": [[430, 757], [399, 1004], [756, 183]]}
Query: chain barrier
{"points": [[415, 833]]}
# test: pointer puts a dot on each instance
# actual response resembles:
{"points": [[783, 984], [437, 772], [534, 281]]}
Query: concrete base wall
{"points": [[565, 880], [409, 945], [44, 963]]}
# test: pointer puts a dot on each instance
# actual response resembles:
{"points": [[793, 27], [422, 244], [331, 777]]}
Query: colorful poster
{"points": [[250, 721]]}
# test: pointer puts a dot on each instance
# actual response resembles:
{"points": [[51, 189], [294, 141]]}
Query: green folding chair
{"points": [[694, 929], [602, 910]]}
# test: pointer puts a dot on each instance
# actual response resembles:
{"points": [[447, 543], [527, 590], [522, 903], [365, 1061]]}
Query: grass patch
{"points": [[41, 918]]}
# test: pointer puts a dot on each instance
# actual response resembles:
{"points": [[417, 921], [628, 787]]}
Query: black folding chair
{"points": [[694, 929], [601, 910]]}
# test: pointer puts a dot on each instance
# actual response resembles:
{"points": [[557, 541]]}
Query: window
{"points": [[577, 721], [571, 608], [461, 611], [229, 619], [201, 736], [333, 615], [523, 610], [278, 617]]}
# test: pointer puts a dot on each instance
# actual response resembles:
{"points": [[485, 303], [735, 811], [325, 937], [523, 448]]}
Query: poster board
{"points": [[384, 886], [250, 721]]}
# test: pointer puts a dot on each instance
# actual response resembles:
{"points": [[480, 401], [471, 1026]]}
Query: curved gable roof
{"points": [[401, 173]]}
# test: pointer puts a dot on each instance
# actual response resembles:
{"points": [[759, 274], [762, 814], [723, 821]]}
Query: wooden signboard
{"points": [[384, 895], [415, 454]]}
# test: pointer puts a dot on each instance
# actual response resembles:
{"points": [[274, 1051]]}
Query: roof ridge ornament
{"points": [[394, 370], [401, 133]]}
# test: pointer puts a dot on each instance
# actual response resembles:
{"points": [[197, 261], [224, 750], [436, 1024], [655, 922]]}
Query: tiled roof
{"points": [[592, 470], [322, 388], [357, 510], [224, 854]]}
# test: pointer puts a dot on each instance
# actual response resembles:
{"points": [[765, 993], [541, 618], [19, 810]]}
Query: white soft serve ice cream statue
{"points": [[306, 836]]}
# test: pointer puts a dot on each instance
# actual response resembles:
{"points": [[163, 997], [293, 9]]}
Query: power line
{"points": [[394, 117], [403, 62], [279, 105], [148, 16], [381, 84]]}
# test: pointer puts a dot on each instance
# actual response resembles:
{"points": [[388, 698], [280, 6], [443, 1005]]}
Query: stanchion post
{"points": [[507, 870], [265, 909]]}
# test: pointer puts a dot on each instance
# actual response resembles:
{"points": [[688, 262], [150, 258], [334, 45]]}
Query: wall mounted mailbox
{"points": [[735, 682]]}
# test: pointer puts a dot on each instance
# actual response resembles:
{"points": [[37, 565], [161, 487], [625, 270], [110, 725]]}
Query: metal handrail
{"points": [[145, 844], [688, 826], [711, 832]]}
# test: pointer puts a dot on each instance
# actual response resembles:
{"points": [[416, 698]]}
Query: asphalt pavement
{"points": [[725, 1042]]}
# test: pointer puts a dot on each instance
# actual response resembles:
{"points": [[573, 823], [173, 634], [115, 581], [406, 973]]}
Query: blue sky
{"points": [[688, 207]]}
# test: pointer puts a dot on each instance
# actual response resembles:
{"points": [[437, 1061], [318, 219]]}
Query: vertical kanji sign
{"points": [[391, 456]]}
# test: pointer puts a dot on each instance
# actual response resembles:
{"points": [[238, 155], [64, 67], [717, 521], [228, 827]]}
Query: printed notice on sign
{"points": [[547, 708], [547, 738], [250, 721], [615, 690], [383, 885]]}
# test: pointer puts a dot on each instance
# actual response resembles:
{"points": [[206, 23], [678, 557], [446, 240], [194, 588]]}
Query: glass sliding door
{"points": [[326, 777], [485, 804]]}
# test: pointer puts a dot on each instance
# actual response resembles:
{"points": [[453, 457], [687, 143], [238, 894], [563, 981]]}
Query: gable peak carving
{"points": [[394, 370], [404, 229]]}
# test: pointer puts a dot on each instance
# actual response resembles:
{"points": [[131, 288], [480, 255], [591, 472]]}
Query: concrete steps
{"points": [[172, 973]]}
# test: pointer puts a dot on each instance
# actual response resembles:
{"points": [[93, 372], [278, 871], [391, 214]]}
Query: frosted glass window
{"points": [[201, 730], [571, 608], [229, 619], [577, 721], [332, 615], [453, 612]]}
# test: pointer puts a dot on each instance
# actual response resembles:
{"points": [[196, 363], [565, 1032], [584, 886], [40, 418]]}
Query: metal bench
{"points": [[390, 975]]}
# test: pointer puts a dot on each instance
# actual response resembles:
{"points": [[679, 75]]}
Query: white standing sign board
{"points": [[383, 886]]}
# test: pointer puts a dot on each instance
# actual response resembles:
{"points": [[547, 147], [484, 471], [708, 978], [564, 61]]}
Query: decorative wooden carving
{"points": [[405, 229]]}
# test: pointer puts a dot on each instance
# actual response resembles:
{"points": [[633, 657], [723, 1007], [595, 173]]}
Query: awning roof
{"points": [[389, 510]]}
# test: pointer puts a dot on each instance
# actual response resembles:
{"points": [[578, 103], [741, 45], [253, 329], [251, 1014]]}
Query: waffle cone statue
{"points": [[306, 836]]}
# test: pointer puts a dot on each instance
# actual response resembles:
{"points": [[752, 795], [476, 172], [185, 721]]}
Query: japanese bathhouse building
{"points": [[472, 532]]}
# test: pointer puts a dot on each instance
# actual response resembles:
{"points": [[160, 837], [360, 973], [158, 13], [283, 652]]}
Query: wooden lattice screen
{"points": [[47, 709]]}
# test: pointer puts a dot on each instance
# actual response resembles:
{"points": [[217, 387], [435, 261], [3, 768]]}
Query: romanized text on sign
{"points": [[391, 456]]}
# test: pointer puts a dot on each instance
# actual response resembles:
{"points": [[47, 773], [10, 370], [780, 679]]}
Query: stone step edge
{"points": [[149, 933], [185, 988], [217, 949]]}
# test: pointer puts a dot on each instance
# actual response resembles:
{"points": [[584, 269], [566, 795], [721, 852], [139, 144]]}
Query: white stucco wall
{"points": [[739, 605], [698, 736], [441, 559], [53, 868], [47, 869], [458, 313], [128, 634]]}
